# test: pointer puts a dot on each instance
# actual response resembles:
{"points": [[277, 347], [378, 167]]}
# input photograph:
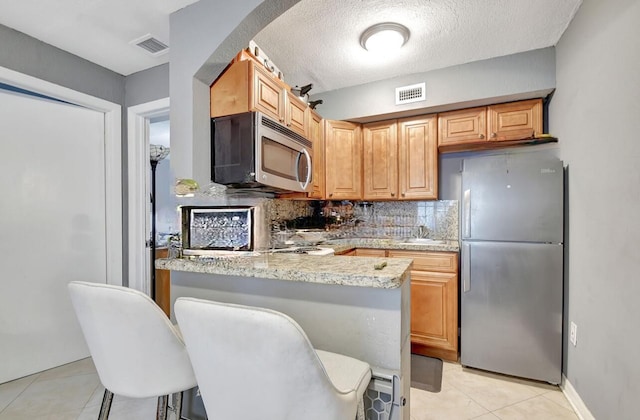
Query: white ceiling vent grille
{"points": [[151, 45], [411, 93]]}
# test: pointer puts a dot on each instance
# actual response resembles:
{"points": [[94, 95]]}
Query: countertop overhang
{"points": [[328, 269]]}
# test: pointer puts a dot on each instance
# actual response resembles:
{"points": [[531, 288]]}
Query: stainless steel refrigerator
{"points": [[512, 265]]}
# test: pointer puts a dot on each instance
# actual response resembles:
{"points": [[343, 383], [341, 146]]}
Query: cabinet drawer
{"points": [[446, 262], [365, 252]]}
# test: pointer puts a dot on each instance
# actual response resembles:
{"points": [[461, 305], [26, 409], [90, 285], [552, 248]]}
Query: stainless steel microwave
{"points": [[251, 150]]}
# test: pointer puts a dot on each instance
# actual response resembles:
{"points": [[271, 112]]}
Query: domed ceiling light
{"points": [[384, 37]]}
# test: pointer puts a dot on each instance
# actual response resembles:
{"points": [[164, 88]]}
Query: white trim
{"points": [[138, 168], [113, 158], [574, 399]]}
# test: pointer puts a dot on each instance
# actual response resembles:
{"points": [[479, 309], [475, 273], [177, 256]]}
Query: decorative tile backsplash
{"points": [[393, 219], [399, 219], [408, 219]]}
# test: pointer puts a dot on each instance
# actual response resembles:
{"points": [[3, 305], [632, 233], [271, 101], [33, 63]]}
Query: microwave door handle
{"points": [[308, 178]]}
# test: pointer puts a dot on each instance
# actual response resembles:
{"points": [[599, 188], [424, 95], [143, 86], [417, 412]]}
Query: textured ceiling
{"points": [[318, 41], [96, 30]]}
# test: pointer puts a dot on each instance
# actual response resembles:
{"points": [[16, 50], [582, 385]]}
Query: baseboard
{"points": [[574, 399]]}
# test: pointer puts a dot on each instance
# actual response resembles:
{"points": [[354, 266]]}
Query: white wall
{"points": [[594, 113]]}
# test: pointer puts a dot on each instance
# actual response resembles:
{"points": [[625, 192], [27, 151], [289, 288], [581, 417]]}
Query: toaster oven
{"points": [[207, 230]]}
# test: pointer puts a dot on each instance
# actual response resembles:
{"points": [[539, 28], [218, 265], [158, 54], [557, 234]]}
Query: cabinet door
{"points": [[515, 121], [316, 135], [163, 284], [343, 160], [434, 314], [462, 127], [380, 151], [297, 116], [268, 95], [418, 164]]}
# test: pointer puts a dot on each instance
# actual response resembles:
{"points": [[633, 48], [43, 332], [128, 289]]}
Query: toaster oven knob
{"points": [[264, 177], [252, 174]]}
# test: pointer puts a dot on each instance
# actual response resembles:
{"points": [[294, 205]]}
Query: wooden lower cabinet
{"points": [[365, 252], [163, 284], [434, 303], [434, 314]]}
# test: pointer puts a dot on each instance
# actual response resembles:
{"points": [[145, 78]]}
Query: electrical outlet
{"points": [[573, 334]]}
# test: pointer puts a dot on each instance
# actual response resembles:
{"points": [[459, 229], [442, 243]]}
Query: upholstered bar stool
{"points": [[138, 353], [254, 363]]}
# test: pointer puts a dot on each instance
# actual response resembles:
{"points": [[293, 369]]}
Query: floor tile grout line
{"points": [[35, 375], [510, 405], [560, 405], [65, 377]]}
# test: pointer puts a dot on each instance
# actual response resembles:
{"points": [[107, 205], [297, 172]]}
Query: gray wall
{"points": [[147, 85], [204, 38], [594, 113], [27, 55], [513, 77]]}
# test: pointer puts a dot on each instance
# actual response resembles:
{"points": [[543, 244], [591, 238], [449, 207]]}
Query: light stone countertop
{"points": [[327, 269], [341, 245]]}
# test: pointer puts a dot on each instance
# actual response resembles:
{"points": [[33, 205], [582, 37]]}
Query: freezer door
{"points": [[512, 309], [512, 198]]}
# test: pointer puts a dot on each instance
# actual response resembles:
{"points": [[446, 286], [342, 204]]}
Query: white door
{"points": [[53, 227]]}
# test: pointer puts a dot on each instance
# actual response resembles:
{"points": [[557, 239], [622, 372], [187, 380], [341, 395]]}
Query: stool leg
{"points": [[161, 413], [177, 404], [105, 407]]}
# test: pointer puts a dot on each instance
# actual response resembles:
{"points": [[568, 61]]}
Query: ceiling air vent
{"points": [[151, 45], [411, 93]]}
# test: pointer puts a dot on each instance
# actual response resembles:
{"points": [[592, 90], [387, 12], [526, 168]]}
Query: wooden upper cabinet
{"points": [[316, 135], [268, 96], [418, 158], [380, 152], [463, 126], [515, 120], [343, 160], [296, 115], [246, 86]]}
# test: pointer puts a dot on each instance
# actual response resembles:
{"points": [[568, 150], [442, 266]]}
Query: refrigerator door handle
{"points": [[466, 267], [466, 211]]}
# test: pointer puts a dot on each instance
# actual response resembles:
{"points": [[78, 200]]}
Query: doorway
{"points": [[145, 120]]}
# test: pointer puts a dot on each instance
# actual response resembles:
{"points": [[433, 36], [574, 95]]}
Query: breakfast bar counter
{"points": [[359, 307], [386, 273]]}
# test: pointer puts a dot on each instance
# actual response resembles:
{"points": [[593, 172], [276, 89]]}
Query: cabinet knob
{"points": [[403, 194], [393, 194], [493, 135], [281, 120], [330, 194], [288, 125], [480, 136]]}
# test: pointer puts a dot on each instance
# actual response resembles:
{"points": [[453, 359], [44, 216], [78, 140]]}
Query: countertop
{"points": [[341, 245], [328, 269]]}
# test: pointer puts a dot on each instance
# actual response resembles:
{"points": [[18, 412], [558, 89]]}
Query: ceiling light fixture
{"points": [[384, 37]]}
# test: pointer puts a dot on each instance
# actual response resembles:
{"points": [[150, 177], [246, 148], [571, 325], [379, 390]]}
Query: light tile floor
{"points": [[73, 391]]}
